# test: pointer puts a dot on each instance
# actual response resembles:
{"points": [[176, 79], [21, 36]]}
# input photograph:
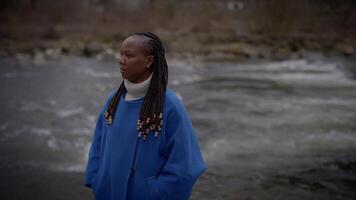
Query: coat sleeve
{"points": [[92, 166], [94, 152], [185, 162]]}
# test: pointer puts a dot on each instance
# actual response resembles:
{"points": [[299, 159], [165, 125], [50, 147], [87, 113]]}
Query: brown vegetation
{"points": [[195, 26]]}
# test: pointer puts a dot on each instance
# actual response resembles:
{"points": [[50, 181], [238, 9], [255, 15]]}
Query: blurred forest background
{"points": [[270, 86], [240, 27]]}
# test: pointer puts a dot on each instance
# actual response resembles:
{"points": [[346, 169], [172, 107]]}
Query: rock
{"points": [[22, 58], [38, 58], [345, 49], [53, 53], [92, 48]]}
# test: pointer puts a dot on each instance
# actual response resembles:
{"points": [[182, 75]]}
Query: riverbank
{"points": [[217, 30], [209, 47]]}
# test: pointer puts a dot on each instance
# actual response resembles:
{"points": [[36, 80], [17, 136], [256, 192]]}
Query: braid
{"points": [[110, 111], [150, 118]]}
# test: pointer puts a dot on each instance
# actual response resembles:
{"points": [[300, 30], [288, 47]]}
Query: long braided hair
{"points": [[150, 118]]}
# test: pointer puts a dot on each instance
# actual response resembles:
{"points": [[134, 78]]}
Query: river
{"points": [[268, 129]]}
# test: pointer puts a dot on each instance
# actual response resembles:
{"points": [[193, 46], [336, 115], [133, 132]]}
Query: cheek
{"points": [[135, 65]]}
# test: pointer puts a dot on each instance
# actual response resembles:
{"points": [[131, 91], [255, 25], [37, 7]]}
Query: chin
{"points": [[123, 76]]}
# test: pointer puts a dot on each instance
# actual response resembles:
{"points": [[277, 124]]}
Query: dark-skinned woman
{"points": [[144, 146]]}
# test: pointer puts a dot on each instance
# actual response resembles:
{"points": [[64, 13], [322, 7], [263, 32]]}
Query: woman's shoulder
{"points": [[173, 102], [108, 96], [172, 97]]}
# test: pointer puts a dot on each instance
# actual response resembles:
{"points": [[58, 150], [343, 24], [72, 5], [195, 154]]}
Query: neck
{"points": [[136, 90]]}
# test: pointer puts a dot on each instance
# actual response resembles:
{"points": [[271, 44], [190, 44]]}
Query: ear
{"points": [[149, 61]]}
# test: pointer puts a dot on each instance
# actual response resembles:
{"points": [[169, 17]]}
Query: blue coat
{"points": [[123, 166]]}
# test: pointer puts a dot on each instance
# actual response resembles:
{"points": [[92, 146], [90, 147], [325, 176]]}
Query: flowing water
{"points": [[268, 129]]}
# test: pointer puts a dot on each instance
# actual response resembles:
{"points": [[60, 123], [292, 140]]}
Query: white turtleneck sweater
{"points": [[136, 90]]}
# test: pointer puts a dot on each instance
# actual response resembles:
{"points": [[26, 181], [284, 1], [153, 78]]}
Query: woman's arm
{"points": [[94, 152], [184, 162]]}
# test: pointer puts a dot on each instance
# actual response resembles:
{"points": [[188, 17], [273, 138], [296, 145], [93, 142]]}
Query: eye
{"points": [[127, 54]]}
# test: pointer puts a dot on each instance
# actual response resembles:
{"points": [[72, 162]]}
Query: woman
{"points": [[144, 145]]}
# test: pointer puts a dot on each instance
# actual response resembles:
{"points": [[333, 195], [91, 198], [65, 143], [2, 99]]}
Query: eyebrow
{"points": [[125, 51]]}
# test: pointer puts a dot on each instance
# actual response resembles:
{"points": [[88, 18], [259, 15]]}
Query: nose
{"points": [[121, 60]]}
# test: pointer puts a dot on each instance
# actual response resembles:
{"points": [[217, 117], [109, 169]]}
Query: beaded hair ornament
{"points": [[149, 124]]}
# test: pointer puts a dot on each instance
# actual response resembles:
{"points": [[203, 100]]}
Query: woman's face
{"points": [[134, 60]]}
